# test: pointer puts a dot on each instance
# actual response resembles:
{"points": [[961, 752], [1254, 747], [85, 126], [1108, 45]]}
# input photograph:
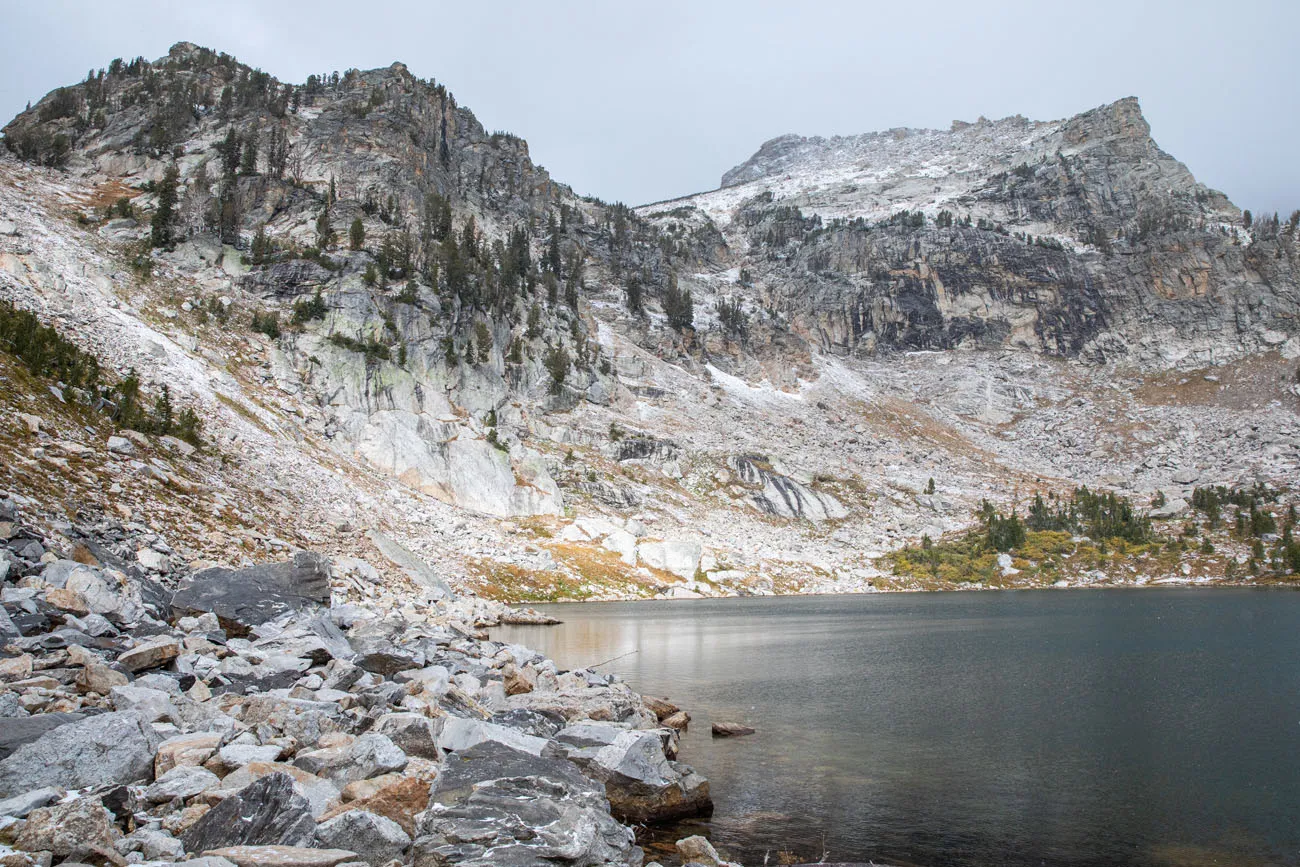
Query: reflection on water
{"points": [[1154, 727]]}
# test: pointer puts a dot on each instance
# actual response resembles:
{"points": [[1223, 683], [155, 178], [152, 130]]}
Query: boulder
{"points": [[20, 729], [681, 557], [678, 721], [661, 707], [183, 781], [157, 845], [183, 750], [99, 750], [244, 598], [267, 812], [79, 827], [460, 734], [368, 756], [401, 801], [731, 730], [151, 654], [99, 678], [20, 805], [374, 838], [1171, 509], [643, 785], [498, 805], [151, 704], [120, 446], [320, 794], [415, 734], [280, 856], [16, 667], [698, 850]]}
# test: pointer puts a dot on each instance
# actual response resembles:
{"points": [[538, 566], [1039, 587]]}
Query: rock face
{"points": [[248, 597], [1084, 239], [781, 495]]}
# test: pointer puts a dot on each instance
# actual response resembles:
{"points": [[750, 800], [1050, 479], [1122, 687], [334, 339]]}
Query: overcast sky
{"points": [[645, 101]]}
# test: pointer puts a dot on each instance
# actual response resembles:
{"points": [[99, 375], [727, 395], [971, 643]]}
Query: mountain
{"points": [[398, 330], [1078, 238]]}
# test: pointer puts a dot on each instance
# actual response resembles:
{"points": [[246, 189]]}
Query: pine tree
{"points": [[324, 231], [248, 160], [679, 307], [160, 229], [229, 148], [357, 234]]}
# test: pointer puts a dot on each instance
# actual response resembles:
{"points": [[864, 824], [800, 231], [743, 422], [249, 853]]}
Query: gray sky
{"points": [[645, 101]]}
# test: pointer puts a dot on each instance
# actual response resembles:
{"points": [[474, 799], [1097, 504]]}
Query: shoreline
{"points": [[1150, 585]]}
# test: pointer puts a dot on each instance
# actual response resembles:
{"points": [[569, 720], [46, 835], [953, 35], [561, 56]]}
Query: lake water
{"points": [[1092, 727]]}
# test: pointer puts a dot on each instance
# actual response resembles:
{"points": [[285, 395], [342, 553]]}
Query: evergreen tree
{"points": [[160, 228], [248, 159], [678, 306], [357, 234], [229, 149], [324, 231]]}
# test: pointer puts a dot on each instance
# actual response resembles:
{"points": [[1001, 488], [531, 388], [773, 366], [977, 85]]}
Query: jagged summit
{"points": [[1008, 137], [874, 174]]}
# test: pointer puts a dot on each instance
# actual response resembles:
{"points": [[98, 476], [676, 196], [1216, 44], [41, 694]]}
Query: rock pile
{"points": [[241, 720]]}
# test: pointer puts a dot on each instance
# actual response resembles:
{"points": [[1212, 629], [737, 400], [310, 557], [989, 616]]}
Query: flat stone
{"points": [[281, 856], [460, 734], [237, 755], [20, 805], [730, 730], [183, 750], [152, 654], [243, 598], [183, 781]]}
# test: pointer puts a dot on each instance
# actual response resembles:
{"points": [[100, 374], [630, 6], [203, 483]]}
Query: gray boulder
{"points": [[267, 812], [243, 598], [643, 785], [20, 728], [111, 748], [416, 734], [183, 781], [368, 756], [376, 839], [459, 734], [497, 805]]}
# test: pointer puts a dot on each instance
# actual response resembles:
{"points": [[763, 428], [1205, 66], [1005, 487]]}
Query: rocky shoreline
{"points": [[255, 716]]}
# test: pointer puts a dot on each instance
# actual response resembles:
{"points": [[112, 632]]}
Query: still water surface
{"points": [[1095, 727]]}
